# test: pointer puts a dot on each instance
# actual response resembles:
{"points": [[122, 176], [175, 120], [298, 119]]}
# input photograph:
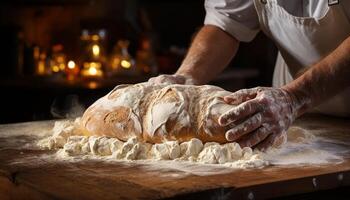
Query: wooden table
{"points": [[28, 173]]}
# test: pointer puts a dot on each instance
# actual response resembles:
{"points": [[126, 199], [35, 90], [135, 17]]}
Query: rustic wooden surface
{"points": [[26, 173]]}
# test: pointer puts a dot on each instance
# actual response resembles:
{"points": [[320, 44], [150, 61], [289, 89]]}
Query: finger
{"points": [[243, 110], [247, 126], [254, 138], [268, 142], [240, 96]]}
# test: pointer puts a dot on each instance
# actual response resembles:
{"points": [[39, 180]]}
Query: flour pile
{"points": [[70, 141], [303, 147]]}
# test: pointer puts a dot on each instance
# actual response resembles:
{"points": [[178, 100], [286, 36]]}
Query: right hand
{"points": [[263, 115], [172, 79]]}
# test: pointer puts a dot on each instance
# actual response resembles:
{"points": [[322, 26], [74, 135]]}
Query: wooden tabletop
{"points": [[29, 173]]}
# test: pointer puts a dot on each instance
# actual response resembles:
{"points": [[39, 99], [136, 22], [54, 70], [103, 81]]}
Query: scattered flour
{"points": [[301, 148]]}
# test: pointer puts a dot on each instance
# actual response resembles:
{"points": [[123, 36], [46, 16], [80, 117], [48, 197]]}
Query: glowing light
{"points": [[126, 64], [60, 59], [92, 70], [115, 63], [92, 85], [71, 64], [41, 67], [55, 68], [95, 37], [36, 52], [95, 50], [62, 66]]}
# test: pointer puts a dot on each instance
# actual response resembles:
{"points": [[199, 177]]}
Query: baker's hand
{"points": [[261, 118], [172, 79]]}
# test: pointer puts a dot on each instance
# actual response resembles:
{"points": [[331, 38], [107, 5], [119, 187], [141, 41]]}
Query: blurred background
{"points": [[59, 56]]}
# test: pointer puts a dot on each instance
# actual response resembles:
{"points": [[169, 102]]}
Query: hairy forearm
{"points": [[325, 79], [210, 52]]}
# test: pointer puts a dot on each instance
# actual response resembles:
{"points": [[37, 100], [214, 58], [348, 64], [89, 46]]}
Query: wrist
{"points": [[293, 101], [299, 102]]}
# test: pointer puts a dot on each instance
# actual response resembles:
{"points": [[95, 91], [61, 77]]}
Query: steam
{"points": [[67, 107]]}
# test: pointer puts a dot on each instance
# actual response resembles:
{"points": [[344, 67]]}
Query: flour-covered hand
{"points": [[261, 118], [172, 79]]}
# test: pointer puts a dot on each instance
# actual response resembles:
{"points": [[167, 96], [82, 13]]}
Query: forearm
{"points": [[210, 52], [325, 79]]}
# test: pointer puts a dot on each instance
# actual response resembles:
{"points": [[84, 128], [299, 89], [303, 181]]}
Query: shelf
{"points": [[51, 82], [37, 82]]}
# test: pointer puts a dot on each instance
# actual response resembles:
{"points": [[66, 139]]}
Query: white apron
{"points": [[302, 42]]}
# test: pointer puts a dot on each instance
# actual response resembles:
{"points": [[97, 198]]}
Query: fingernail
{"points": [[230, 136], [222, 121]]}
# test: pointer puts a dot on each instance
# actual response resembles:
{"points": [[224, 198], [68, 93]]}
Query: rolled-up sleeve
{"points": [[236, 17]]}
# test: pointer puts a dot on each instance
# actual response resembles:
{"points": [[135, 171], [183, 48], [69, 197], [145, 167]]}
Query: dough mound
{"points": [[155, 113]]}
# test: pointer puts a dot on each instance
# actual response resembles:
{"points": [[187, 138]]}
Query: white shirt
{"points": [[239, 17]]}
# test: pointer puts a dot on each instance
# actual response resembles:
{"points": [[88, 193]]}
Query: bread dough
{"points": [[157, 113]]}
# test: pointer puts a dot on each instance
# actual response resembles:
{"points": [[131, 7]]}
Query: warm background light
{"points": [[71, 64], [55, 68], [125, 64], [95, 37], [92, 70], [95, 50]]}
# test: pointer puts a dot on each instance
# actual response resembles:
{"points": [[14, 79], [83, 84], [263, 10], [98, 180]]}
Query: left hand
{"points": [[261, 118]]}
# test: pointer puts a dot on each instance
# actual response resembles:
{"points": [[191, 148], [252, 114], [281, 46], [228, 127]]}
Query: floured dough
{"points": [[157, 113]]}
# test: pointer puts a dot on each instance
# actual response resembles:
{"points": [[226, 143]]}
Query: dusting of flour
{"points": [[70, 142]]}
